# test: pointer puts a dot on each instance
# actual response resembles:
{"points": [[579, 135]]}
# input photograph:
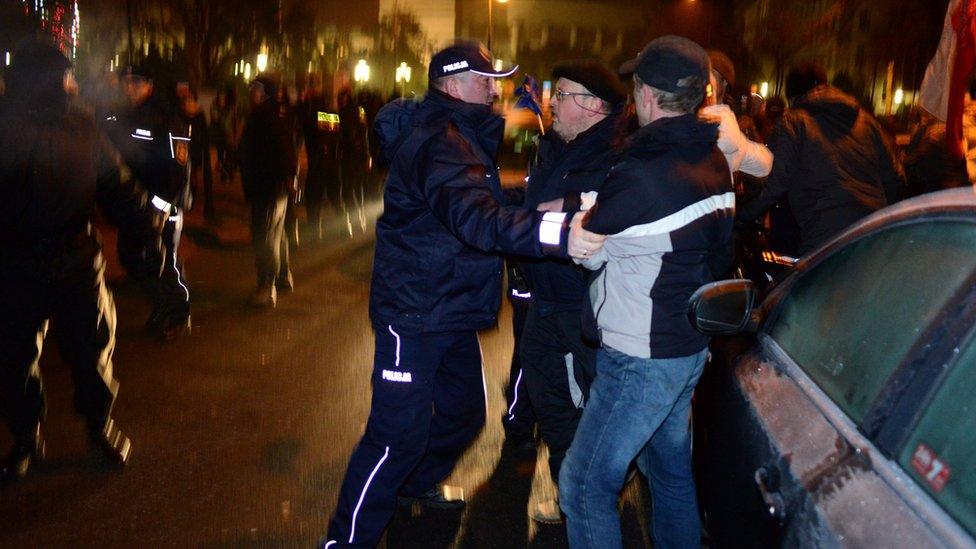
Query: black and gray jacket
{"points": [[668, 206]]}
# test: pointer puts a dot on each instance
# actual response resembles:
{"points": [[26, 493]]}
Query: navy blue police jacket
{"points": [[436, 266]]}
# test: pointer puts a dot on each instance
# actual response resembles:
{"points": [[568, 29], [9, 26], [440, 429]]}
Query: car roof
{"points": [[959, 201]]}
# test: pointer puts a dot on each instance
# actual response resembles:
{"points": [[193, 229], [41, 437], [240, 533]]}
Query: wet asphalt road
{"points": [[241, 429]]}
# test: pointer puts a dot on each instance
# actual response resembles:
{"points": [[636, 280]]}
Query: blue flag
{"points": [[529, 96]]}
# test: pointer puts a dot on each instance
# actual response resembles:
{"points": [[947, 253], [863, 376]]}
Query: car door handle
{"points": [[767, 480]]}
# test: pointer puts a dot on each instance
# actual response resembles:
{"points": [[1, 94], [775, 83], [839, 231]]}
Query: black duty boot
{"points": [[168, 321], [115, 446], [434, 498], [14, 466]]}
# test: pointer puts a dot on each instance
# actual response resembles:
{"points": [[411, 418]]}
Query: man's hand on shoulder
{"points": [[730, 137]]}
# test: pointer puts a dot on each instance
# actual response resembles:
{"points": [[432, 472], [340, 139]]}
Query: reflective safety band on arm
{"points": [[550, 230], [161, 204]]}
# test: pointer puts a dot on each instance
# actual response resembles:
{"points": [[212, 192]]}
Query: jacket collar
{"points": [[677, 131], [474, 120]]}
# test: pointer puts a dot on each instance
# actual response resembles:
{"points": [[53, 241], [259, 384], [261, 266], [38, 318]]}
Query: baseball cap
{"points": [[594, 76], [668, 60], [464, 56]]}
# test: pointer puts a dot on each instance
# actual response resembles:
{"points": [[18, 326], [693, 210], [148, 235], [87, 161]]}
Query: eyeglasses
{"points": [[561, 95]]}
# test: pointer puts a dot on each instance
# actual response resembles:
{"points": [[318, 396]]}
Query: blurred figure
{"points": [[290, 119], [833, 162], [775, 109], [155, 145], [928, 165], [201, 175], [353, 151], [268, 162], [223, 131], [740, 151], [320, 130], [54, 166]]}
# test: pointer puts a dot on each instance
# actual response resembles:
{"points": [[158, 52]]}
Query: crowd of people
{"points": [[143, 160], [629, 207]]}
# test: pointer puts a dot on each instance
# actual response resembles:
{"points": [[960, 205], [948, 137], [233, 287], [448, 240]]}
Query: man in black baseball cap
{"points": [[465, 72], [667, 206], [436, 282]]}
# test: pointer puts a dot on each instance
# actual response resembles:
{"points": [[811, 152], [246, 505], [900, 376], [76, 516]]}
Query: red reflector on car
{"points": [[927, 464]]}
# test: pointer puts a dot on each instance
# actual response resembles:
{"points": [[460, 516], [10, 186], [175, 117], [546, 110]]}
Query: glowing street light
{"points": [[7, 56], [361, 72], [764, 89], [403, 72], [403, 76], [489, 19], [899, 96], [247, 71], [262, 62]]}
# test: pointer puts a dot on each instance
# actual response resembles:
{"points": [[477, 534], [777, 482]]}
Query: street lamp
{"points": [[262, 62], [361, 72], [489, 19], [403, 76]]}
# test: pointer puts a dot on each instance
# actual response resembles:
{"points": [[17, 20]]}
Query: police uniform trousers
{"points": [[59, 285], [321, 184], [428, 405], [268, 237], [519, 418], [545, 342], [160, 271]]}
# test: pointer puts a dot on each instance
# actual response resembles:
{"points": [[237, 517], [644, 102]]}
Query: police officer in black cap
{"points": [[154, 143], [574, 157], [54, 167]]}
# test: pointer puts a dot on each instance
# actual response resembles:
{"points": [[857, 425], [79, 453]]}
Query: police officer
{"points": [[436, 281], [154, 144], [320, 130], [54, 166]]}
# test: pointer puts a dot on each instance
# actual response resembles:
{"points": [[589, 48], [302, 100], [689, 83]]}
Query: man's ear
{"points": [[451, 87]]}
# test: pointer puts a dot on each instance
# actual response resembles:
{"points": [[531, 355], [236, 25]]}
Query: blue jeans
{"points": [[638, 407]]}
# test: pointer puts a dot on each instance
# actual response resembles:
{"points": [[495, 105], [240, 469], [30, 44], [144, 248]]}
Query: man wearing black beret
{"points": [[573, 158]]}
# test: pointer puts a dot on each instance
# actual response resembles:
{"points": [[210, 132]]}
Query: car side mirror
{"points": [[724, 307]]}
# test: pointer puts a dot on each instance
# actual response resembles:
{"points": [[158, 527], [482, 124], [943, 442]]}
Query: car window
{"points": [[850, 320], [941, 453]]}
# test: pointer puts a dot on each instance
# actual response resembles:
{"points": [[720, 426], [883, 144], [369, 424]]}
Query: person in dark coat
{"points": [[574, 157], [832, 161], [436, 281], [320, 130], [199, 132], [54, 167], [268, 164], [154, 143]]}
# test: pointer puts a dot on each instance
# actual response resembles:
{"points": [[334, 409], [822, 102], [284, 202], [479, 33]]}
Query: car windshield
{"points": [[852, 319]]}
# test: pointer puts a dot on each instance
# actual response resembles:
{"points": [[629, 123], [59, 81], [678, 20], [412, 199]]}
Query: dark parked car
{"points": [[844, 411]]}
